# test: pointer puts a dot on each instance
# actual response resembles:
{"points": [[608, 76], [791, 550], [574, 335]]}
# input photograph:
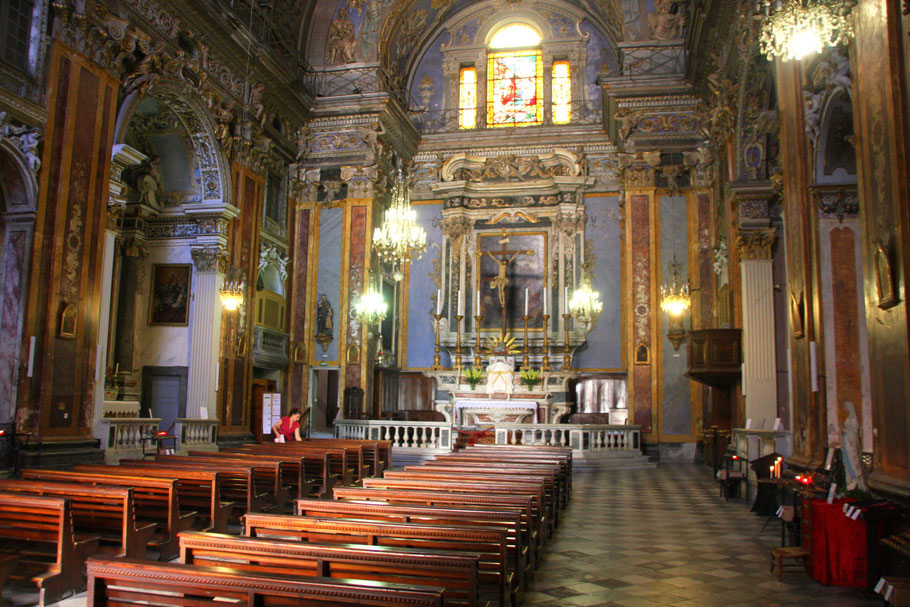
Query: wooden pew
{"points": [[565, 470], [562, 454], [292, 481], [538, 508], [497, 579], [507, 519], [551, 471], [522, 503], [7, 564], [107, 512], [378, 452], [39, 531], [455, 571], [125, 582], [344, 462], [199, 489], [520, 477], [320, 466], [155, 499], [238, 482]]}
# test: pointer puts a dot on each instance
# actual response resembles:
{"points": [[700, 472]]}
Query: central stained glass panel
{"points": [[515, 88]]}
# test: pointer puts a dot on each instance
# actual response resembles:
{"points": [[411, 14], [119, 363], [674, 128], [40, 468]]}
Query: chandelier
{"points": [[674, 297], [585, 304], [232, 294], [797, 28], [399, 239], [371, 308]]}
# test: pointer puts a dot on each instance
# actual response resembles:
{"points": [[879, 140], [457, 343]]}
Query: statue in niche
{"points": [[341, 40], [325, 322], [668, 20], [148, 183]]}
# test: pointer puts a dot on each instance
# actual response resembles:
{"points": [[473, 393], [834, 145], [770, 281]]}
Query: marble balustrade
{"points": [[196, 434], [403, 435], [122, 437], [588, 438]]}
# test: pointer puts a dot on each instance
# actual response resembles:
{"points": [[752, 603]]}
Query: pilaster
{"points": [[205, 331]]}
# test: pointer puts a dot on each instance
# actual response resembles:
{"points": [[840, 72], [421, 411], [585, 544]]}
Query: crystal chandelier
{"points": [[371, 308], [399, 239], [674, 297], [794, 29], [585, 304], [232, 294]]}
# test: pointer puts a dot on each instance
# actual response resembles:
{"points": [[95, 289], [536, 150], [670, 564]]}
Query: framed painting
{"points": [[169, 296], [510, 264]]}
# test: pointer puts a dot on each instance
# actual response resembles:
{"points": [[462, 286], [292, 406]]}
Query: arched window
{"points": [[515, 83]]}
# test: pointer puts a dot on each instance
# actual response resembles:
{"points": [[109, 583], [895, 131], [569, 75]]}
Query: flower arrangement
{"points": [[473, 376], [530, 376]]}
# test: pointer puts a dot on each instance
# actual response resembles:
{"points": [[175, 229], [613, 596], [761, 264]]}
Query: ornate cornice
{"points": [[753, 245]]}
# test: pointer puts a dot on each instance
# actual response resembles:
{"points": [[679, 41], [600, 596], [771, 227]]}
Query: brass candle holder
{"points": [[458, 319], [545, 364], [477, 361], [566, 356], [526, 360], [437, 363]]}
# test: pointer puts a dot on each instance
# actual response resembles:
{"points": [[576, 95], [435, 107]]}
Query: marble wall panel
{"points": [[675, 402], [328, 279], [421, 335]]}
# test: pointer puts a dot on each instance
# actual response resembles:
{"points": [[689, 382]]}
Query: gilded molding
{"points": [[754, 245]]}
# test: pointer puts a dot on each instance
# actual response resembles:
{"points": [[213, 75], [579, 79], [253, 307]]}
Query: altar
{"points": [[476, 412]]}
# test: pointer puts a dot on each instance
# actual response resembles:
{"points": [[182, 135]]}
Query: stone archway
{"points": [[18, 204]]}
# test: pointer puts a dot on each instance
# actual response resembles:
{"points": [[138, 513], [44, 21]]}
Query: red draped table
{"points": [[838, 545]]}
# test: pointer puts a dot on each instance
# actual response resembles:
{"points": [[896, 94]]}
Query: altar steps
{"points": [[592, 462]]}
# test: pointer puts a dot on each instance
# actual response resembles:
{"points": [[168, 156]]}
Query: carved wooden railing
{"points": [[580, 437], [196, 434], [403, 435]]}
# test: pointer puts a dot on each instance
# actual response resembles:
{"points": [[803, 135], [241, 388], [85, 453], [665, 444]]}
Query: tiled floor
{"points": [[663, 536]]}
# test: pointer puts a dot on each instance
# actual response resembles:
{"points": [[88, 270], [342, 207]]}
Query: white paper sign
{"points": [[831, 491], [748, 423], [267, 413]]}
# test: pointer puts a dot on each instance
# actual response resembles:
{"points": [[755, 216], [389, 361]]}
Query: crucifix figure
{"points": [[503, 258]]}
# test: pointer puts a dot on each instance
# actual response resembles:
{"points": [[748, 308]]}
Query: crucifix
{"points": [[503, 258]]}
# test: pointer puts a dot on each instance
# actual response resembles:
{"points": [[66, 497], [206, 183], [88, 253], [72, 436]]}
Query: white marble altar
{"points": [[473, 412]]}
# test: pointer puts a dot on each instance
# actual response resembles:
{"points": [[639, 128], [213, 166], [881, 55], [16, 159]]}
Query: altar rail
{"points": [[196, 434], [122, 437], [403, 435], [580, 437], [587, 438]]}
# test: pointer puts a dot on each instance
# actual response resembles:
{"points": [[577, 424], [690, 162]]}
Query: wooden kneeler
{"points": [[778, 555]]}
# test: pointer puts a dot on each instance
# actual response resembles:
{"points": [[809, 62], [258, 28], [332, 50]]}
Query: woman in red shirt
{"points": [[288, 428]]}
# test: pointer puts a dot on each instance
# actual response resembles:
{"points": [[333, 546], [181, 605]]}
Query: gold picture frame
{"points": [[884, 279], [69, 322], [642, 354]]}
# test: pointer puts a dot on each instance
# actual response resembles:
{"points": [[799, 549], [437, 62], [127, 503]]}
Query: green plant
{"points": [[530, 376], [473, 376]]}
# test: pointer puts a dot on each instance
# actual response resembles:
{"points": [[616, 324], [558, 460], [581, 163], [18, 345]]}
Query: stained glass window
{"points": [[467, 102], [562, 93], [514, 88]]}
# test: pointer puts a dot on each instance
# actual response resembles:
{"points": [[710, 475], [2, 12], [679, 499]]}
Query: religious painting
{"points": [[325, 322], [512, 264], [169, 303]]}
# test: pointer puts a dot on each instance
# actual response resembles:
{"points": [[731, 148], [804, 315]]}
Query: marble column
{"points": [[759, 370], [205, 331]]}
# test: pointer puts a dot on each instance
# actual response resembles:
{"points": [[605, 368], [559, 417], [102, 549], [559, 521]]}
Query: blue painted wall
{"points": [[328, 280], [603, 349], [677, 406], [421, 332]]}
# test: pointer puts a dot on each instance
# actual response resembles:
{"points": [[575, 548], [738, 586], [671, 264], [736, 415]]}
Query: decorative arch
{"points": [[835, 155], [210, 164], [18, 206]]}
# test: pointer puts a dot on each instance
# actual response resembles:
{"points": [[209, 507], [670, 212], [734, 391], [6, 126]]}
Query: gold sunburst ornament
{"points": [[501, 345]]}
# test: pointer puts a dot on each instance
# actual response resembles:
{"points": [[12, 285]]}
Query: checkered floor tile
{"points": [[663, 536]]}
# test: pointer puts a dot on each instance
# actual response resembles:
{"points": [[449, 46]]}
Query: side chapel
{"points": [[611, 225]]}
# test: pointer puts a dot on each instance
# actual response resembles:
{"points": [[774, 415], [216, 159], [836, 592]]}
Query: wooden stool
{"points": [[790, 552]]}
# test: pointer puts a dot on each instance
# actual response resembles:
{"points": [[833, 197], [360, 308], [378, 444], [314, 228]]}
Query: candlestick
{"points": [[477, 319], [437, 364], [566, 357], [458, 319], [526, 361], [526, 301], [545, 365]]}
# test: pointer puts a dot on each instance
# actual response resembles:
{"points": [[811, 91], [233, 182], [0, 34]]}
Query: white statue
{"points": [[851, 450], [499, 377]]}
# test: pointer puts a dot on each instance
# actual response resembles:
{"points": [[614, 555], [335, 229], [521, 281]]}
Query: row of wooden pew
{"points": [[51, 521], [463, 529]]}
